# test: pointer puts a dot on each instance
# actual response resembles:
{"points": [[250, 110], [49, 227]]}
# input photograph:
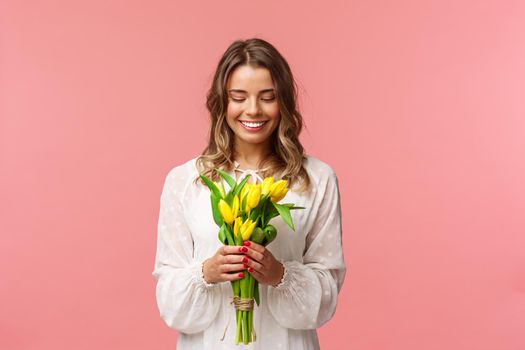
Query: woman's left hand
{"points": [[262, 265]]}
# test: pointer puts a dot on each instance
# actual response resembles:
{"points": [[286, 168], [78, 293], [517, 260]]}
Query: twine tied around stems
{"points": [[242, 304]]}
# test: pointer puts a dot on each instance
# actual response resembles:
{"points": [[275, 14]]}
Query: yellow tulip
{"points": [[221, 189], [267, 183], [235, 207], [237, 226], [226, 211], [276, 199], [278, 190], [245, 190], [247, 229], [254, 196]]}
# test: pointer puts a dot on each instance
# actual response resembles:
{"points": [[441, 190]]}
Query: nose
{"points": [[253, 107]]}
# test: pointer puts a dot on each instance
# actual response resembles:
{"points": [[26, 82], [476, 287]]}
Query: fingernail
{"points": [[244, 249], [245, 259], [241, 249], [246, 243], [241, 274], [250, 269], [245, 266]]}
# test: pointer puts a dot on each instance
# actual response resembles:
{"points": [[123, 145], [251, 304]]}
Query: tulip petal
{"points": [[226, 211]]}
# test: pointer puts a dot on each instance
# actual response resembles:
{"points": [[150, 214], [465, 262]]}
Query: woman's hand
{"points": [[262, 264], [224, 265]]}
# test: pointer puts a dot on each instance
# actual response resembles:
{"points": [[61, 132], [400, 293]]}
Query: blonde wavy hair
{"points": [[285, 161]]}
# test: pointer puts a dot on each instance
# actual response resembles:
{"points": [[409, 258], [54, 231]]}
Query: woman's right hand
{"points": [[225, 264]]}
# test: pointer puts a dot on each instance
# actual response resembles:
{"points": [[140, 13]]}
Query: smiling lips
{"points": [[253, 125]]}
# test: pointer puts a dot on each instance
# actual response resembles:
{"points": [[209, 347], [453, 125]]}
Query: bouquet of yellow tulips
{"points": [[244, 214]]}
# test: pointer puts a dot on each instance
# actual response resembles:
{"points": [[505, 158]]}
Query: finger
{"points": [[255, 266], [231, 249], [234, 258], [256, 274], [255, 246], [231, 267], [255, 255], [232, 276]]}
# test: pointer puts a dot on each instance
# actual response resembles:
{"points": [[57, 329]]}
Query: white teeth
{"points": [[253, 125]]}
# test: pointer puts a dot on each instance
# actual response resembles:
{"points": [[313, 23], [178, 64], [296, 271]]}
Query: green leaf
{"points": [[270, 209], [217, 217], [269, 213], [238, 239], [243, 204], [230, 180], [256, 293], [238, 187], [284, 211], [229, 198], [211, 185], [222, 234], [292, 206], [229, 235], [262, 213], [254, 214]]}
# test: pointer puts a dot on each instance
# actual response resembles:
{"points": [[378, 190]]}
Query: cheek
{"points": [[272, 111], [233, 111]]}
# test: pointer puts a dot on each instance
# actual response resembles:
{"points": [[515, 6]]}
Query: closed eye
{"points": [[264, 99]]}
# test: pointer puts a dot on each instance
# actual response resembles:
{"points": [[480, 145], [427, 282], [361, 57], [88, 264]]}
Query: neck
{"points": [[250, 155]]}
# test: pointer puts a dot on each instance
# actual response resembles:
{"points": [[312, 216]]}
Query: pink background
{"points": [[417, 105]]}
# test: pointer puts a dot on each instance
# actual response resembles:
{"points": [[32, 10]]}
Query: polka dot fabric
{"points": [[290, 313]]}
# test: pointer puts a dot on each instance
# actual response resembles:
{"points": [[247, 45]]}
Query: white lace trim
{"points": [[198, 276], [285, 280]]}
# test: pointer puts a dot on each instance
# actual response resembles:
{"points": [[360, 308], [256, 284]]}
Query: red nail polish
{"points": [[241, 274], [244, 249], [246, 243], [245, 259], [241, 249], [250, 269], [245, 266]]}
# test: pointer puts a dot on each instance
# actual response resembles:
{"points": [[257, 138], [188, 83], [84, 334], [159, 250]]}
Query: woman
{"points": [[254, 130]]}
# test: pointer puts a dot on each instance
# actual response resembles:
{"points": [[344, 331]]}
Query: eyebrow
{"points": [[262, 91]]}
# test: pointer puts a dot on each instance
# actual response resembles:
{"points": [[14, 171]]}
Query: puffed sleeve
{"points": [[306, 297], [185, 300]]}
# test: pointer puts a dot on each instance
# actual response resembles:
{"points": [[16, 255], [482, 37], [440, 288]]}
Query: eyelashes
{"points": [[264, 99]]}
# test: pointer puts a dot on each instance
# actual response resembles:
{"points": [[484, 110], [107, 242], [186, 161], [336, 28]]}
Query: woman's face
{"points": [[253, 111]]}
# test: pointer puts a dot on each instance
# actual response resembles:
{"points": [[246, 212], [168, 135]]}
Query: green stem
{"points": [[239, 329], [242, 295], [250, 321], [245, 320], [252, 281], [237, 292]]}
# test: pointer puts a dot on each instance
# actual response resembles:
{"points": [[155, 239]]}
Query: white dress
{"points": [[288, 314]]}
